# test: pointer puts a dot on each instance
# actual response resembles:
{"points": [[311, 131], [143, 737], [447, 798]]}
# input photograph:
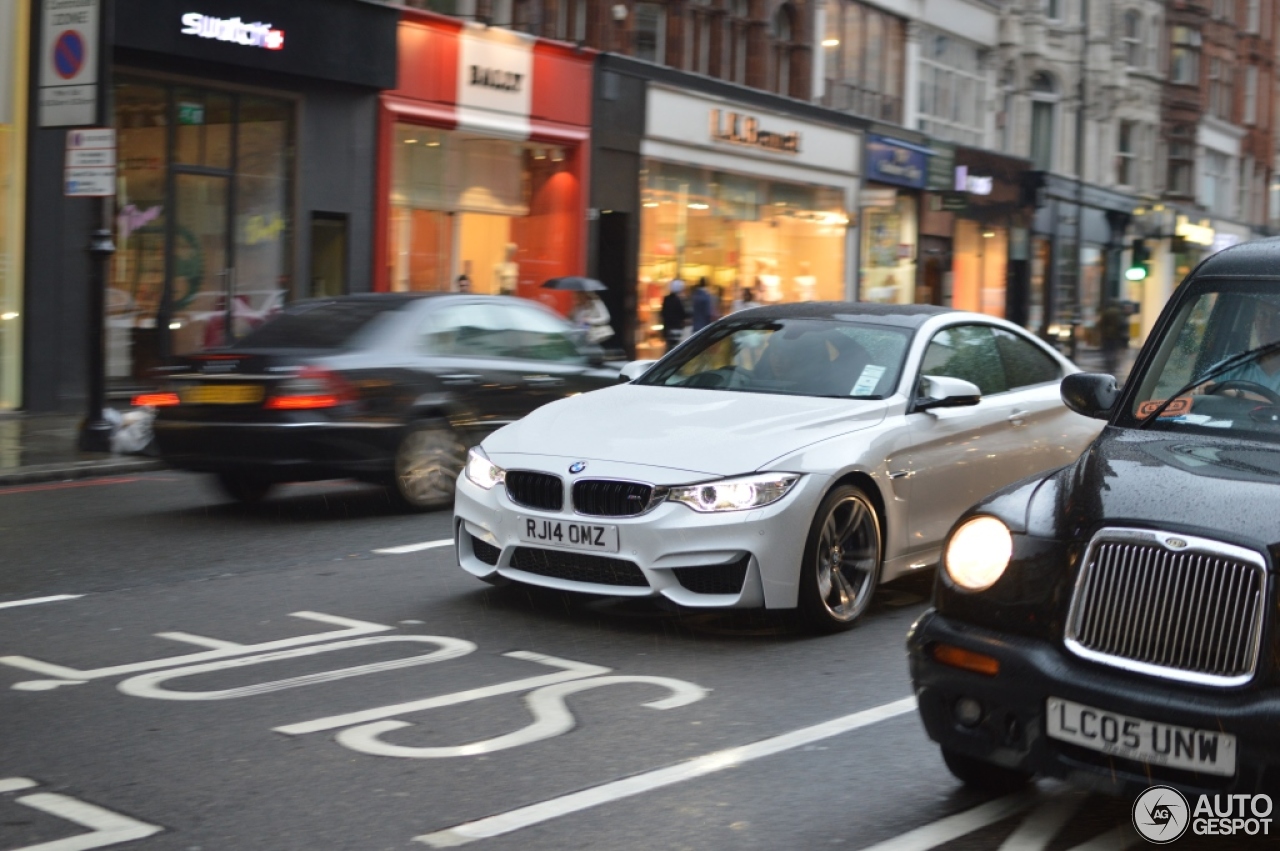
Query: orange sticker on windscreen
{"points": [[1178, 407]]}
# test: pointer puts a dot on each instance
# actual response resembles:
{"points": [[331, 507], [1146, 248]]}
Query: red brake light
{"points": [[156, 400], [313, 387]]}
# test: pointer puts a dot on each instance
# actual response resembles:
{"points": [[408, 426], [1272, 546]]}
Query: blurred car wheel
{"points": [[983, 775], [842, 561], [244, 488], [428, 462]]}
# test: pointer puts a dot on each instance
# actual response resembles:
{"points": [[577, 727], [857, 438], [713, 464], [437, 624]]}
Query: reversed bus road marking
{"points": [[413, 548], [509, 822], [108, 828], [54, 599]]}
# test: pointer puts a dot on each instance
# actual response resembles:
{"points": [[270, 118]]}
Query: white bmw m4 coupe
{"points": [[790, 457]]}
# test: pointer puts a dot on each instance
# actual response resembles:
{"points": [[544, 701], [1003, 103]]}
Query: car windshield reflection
{"points": [[800, 357]]}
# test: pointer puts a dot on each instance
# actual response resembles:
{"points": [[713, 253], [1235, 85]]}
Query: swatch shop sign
{"points": [[233, 31]]}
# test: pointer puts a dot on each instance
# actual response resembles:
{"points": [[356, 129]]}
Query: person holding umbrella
{"points": [[589, 312]]}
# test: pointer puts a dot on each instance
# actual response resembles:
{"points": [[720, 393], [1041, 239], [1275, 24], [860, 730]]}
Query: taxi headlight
{"points": [[978, 553], [483, 472], [735, 494]]}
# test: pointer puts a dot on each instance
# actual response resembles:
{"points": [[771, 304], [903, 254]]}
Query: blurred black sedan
{"points": [[386, 388]]}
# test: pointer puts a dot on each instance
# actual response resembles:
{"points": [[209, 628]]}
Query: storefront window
{"points": [[889, 236], [485, 215], [981, 267], [203, 228], [13, 111], [752, 239]]}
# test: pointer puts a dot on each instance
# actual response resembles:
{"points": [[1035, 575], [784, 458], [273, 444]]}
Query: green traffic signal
{"points": [[1139, 265]]}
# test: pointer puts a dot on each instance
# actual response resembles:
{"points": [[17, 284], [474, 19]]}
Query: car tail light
{"points": [[156, 400], [313, 387]]}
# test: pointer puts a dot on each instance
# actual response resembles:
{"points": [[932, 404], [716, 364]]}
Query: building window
{"points": [[782, 36], [1253, 17], [1053, 9], [1216, 184], [734, 67], [1184, 56], [952, 89], [1182, 153], [1125, 172], [651, 32], [1044, 88], [1134, 55], [1251, 94], [864, 61], [1220, 89]]}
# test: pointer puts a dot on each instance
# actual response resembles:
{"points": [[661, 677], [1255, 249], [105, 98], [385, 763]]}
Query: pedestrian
{"points": [[591, 315], [746, 299], [674, 315], [1113, 329], [463, 284], [702, 306]]}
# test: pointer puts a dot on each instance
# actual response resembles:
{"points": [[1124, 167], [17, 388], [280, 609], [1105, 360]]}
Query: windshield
{"points": [[801, 357], [1216, 367]]}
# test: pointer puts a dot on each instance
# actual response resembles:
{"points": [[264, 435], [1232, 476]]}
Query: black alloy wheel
{"points": [[244, 487], [428, 461], [842, 561]]}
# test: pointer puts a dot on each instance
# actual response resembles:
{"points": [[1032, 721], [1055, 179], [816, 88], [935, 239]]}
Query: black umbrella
{"points": [[574, 283]]}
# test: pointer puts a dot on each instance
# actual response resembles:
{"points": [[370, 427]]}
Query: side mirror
{"points": [[1090, 394], [635, 369], [940, 391]]}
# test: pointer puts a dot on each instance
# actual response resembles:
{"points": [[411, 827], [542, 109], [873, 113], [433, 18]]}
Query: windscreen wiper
{"points": [[1223, 366]]}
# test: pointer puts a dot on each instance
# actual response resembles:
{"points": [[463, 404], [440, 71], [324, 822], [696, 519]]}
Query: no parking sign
{"points": [[69, 63]]}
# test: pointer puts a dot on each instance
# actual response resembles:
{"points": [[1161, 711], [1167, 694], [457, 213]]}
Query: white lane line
{"points": [[35, 600], [944, 830], [413, 548], [1117, 839], [13, 784], [1043, 823], [523, 817], [108, 828]]}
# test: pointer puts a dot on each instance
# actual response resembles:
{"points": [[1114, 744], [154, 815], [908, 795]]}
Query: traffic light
{"points": [[1141, 260]]}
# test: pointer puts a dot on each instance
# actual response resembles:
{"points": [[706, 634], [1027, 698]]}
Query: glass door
{"points": [[201, 295]]}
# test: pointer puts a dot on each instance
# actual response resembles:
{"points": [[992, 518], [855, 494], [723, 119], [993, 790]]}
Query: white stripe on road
{"points": [[108, 828], [523, 817], [1042, 825], [35, 600], [413, 548], [14, 784], [944, 830]]}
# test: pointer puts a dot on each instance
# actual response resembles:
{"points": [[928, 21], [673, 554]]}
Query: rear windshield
{"points": [[318, 324]]}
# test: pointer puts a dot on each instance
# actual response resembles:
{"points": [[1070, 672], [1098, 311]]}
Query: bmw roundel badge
{"points": [[577, 466]]}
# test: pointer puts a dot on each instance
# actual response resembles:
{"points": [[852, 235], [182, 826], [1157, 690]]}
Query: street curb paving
{"points": [[75, 470]]}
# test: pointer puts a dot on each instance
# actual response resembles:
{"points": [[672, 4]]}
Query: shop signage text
{"points": [[891, 162], [496, 78], [972, 183], [90, 169], [233, 30], [734, 129]]}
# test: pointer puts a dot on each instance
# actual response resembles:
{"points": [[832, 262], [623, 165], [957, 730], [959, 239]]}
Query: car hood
{"points": [[1221, 487], [706, 432]]}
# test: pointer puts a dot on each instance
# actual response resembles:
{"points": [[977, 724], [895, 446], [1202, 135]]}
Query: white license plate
{"points": [[568, 534], [1205, 751]]}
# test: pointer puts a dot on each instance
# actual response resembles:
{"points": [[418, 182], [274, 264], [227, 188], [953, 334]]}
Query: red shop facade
{"points": [[483, 162]]}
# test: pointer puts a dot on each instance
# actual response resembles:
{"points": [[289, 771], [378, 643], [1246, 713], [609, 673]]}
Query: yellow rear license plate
{"points": [[222, 394]]}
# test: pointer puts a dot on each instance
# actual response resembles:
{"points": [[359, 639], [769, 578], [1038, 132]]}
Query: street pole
{"points": [[1080, 137], [95, 431]]}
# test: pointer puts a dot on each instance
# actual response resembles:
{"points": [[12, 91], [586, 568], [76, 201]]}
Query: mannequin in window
{"points": [[805, 282], [507, 273], [769, 289]]}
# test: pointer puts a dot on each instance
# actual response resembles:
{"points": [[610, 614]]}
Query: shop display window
{"points": [[754, 240], [889, 236], [980, 267], [203, 224], [470, 213]]}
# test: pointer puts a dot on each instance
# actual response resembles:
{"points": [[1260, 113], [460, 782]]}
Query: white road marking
{"points": [[147, 685], [547, 705], [223, 649], [14, 784], [523, 817], [14, 603], [199, 640], [1117, 839], [108, 828], [413, 548], [944, 830], [1043, 823], [571, 671]]}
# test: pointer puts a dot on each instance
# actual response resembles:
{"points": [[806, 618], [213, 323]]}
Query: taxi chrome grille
{"points": [[535, 490], [578, 567], [1169, 605], [608, 498]]}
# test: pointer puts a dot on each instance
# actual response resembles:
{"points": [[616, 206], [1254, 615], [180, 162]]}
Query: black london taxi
{"points": [[1114, 623]]}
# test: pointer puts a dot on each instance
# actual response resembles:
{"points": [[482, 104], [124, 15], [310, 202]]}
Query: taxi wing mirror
{"points": [[635, 369], [941, 391], [1090, 394]]}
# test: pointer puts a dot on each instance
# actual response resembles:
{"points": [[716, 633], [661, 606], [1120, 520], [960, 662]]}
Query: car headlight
{"points": [[735, 494], [483, 472], [978, 553]]}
